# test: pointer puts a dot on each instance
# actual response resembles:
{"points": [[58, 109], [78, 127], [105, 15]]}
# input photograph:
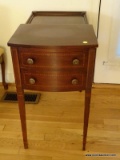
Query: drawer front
{"points": [[53, 60], [54, 81]]}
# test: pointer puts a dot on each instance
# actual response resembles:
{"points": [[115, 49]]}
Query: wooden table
{"points": [[54, 51]]}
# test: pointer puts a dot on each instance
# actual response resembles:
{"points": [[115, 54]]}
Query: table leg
{"points": [[86, 116], [20, 94], [89, 80], [3, 73], [21, 104]]}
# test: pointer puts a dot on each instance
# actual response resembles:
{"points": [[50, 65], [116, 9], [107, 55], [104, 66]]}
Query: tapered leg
{"points": [[89, 80], [86, 116], [3, 74], [21, 103], [20, 94]]}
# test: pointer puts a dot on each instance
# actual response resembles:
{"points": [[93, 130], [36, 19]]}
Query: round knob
{"points": [[30, 61], [32, 81], [76, 61], [74, 81]]}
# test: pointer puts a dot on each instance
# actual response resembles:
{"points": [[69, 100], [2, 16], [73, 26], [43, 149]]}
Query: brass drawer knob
{"points": [[30, 61], [76, 61], [74, 81], [32, 81]]}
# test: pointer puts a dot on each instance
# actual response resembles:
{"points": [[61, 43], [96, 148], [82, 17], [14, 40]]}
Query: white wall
{"points": [[14, 12], [108, 54]]}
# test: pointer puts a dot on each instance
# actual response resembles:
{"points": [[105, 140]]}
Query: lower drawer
{"points": [[53, 81]]}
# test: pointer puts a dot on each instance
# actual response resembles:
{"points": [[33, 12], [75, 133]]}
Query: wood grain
{"points": [[55, 126]]}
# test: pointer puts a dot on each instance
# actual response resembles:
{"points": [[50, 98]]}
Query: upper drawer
{"points": [[36, 58]]}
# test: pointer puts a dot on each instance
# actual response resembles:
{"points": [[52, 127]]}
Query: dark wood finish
{"points": [[54, 36], [20, 94], [59, 17], [89, 80], [53, 81], [54, 57]]}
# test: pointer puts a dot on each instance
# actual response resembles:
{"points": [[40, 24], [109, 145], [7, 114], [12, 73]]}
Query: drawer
{"points": [[55, 60], [53, 81]]}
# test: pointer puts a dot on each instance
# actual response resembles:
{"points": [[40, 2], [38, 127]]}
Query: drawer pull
{"points": [[30, 61], [74, 81], [32, 81], [76, 61]]}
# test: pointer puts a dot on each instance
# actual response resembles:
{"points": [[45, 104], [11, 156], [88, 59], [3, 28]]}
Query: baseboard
{"points": [[105, 85]]}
